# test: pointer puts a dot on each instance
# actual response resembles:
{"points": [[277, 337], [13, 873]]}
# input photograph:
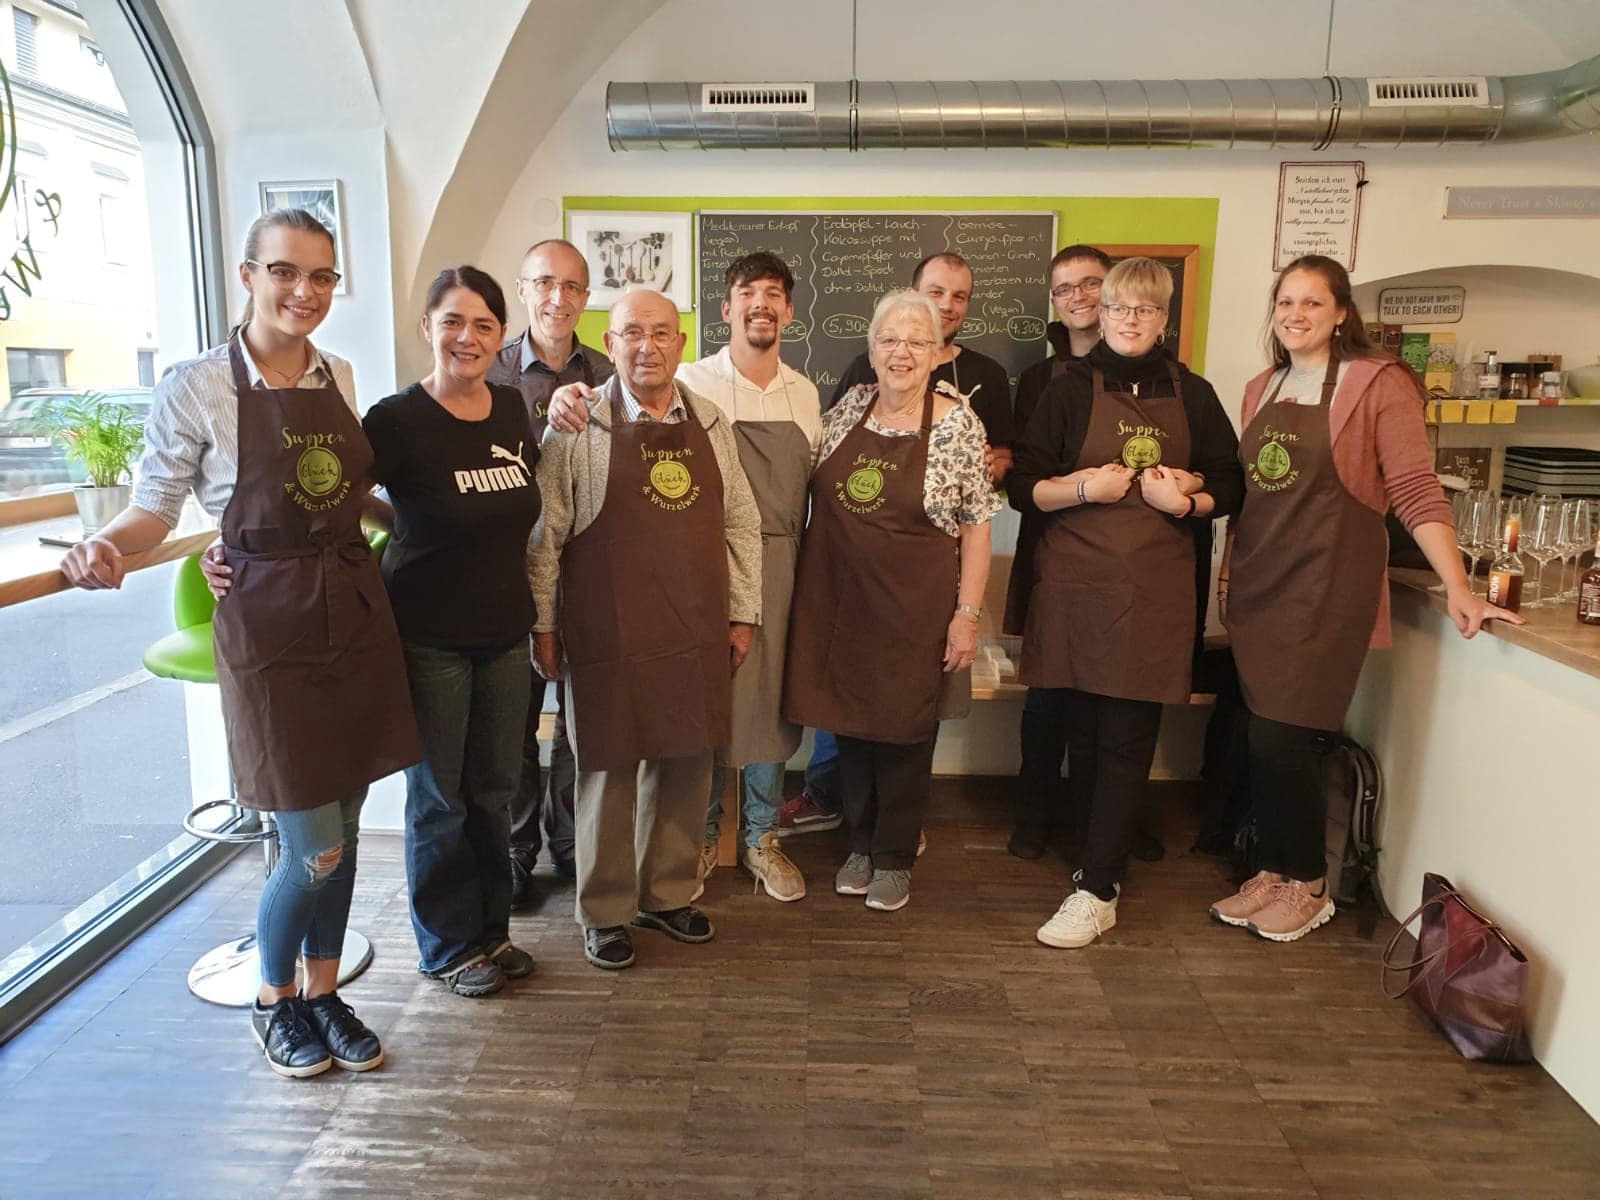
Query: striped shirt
{"points": [[634, 411], [191, 440]]}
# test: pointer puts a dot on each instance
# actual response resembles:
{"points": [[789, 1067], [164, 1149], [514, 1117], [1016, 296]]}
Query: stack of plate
{"points": [[1552, 469]]}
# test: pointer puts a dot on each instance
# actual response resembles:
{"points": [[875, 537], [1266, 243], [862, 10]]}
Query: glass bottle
{"points": [[1505, 573], [1589, 591], [1489, 377]]}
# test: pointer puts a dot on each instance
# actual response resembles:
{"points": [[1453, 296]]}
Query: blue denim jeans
{"points": [[758, 808], [822, 772], [471, 706], [305, 904]]}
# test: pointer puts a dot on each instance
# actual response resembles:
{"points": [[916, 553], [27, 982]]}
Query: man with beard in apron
{"points": [[553, 285], [646, 575]]}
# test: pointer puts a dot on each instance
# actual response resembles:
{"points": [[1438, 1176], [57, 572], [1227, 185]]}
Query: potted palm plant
{"points": [[103, 435]]}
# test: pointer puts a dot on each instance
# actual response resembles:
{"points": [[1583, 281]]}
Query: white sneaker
{"points": [[708, 864], [1082, 917]]}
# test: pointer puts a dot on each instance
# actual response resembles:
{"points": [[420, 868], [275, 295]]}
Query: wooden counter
{"points": [[30, 569], [1551, 630]]}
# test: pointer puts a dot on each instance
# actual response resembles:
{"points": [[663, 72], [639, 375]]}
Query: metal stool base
{"points": [[230, 975]]}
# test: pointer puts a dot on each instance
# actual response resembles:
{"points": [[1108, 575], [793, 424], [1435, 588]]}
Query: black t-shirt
{"points": [[465, 502], [972, 374]]}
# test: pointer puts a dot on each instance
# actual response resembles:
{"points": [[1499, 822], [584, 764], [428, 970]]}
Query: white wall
{"points": [[1487, 752]]}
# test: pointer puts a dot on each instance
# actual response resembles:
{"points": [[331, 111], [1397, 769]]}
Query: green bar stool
{"points": [[230, 974]]}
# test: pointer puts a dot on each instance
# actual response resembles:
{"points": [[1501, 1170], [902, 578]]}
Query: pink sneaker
{"points": [[1296, 908], [1250, 899], [801, 814]]}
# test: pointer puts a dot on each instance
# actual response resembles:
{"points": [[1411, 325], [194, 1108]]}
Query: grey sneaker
{"points": [[854, 876], [889, 890]]}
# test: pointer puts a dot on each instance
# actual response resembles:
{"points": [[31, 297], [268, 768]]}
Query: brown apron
{"points": [[874, 595], [644, 601], [1308, 562], [313, 683], [1019, 583], [776, 456], [1112, 610]]}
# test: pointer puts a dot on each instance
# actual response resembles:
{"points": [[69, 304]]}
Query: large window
{"points": [[104, 197]]}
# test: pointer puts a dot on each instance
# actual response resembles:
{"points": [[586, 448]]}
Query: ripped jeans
{"points": [[306, 901]]}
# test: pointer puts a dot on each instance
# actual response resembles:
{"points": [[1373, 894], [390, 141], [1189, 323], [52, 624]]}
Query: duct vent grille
{"points": [[1403, 91], [757, 97]]}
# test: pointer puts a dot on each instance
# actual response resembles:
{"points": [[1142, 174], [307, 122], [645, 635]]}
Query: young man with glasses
{"points": [[553, 285]]}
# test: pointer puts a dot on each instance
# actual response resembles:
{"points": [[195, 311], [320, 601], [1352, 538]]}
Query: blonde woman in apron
{"points": [[263, 430], [1333, 438]]}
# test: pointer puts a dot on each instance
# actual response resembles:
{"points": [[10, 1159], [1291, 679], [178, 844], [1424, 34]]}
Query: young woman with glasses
{"points": [[1124, 451], [263, 430]]}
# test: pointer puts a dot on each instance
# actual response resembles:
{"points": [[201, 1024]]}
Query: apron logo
{"points": [[864, 484], [1272, 461], [318, 471], [670, 478], [1141, 451]]}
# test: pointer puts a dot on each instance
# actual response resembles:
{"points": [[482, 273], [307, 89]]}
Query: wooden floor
{"points": [[815, 1050]]}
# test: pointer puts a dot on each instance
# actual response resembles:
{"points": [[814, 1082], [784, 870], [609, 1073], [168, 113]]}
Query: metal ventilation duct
{"points": [[1301, 114]]}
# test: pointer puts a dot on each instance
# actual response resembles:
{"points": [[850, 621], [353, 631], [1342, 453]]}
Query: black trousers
{"points": [[1287, 797], [885, 791], [1044, 745], [1110, 746], [531, 808]]}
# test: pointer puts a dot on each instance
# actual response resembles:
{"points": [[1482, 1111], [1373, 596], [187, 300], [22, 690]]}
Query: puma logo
{"points": [[945, 388], [502, 452]]}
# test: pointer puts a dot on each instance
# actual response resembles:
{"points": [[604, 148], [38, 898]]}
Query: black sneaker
{"points": [[353, 1046], [1147, 847], [522, 893], [514, 963], [686, 924], [566, 866], [1027, 841], [288, 1039], [609, 948]]}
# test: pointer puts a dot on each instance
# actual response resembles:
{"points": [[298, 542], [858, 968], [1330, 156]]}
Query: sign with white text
{"points": [[1319, 207], [1492, 203], [1441, 305]]}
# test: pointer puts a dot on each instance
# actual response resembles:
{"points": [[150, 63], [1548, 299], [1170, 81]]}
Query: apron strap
{"points": [[241, 377], [618, 416], [1177, 376], [1330, 379], [927, 411]]}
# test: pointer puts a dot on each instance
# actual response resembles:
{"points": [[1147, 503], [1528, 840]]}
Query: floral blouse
{"points": [[955, 489]]}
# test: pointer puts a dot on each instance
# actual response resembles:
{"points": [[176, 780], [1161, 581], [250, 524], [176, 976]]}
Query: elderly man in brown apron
{"points": [[646, 573]]}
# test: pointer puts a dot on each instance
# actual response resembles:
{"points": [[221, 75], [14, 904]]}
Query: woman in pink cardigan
{"points": [[1333, 438]]}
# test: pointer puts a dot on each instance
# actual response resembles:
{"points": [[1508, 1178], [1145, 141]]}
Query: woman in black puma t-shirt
{"points": [[457, 460]]}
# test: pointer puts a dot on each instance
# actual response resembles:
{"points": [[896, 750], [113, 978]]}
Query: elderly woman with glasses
{"points": [[893, 565], [1124, 451]]}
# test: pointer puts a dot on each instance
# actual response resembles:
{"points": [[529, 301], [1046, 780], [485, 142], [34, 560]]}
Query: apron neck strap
{"points": [[927, 411], [1330, 379], [1177, 379], [241, 374], [618, 416]]}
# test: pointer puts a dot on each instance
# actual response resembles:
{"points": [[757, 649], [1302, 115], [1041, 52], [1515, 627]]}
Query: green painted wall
{"points": [[1094, 219]]}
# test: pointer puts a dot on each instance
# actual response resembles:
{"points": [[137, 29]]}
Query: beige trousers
{"points": [[638, 838]]}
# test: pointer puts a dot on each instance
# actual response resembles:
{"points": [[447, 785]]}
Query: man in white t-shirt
{"points": [[777, 422]]}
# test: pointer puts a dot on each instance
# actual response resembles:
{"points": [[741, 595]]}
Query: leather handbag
{"points": [[1467, 977]]}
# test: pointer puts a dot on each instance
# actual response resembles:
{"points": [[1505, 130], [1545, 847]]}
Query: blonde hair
{"points": [[277, 218], [1137, 281], [904, 300]]}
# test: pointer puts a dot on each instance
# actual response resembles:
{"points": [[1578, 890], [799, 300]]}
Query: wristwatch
{"points": [[969, 610]]}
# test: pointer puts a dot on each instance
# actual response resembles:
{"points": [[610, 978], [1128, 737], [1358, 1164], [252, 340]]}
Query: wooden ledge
{"points": [[46, 583]]}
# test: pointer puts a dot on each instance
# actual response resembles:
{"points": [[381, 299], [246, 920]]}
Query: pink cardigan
{"points": [[1380, 449]]}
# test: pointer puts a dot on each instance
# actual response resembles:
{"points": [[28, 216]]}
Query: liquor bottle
{"points": [[1505, 573], [1589, 592], [1489, 377]]}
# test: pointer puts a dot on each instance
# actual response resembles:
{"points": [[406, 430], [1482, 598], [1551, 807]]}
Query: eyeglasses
{"points": [[288, 275], [549, 285], [1089, 287], [658, 337], [888, 345], [1145, 312]]}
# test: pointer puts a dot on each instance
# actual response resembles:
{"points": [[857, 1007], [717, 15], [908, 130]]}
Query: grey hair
{"points": [[278, 218], [904, 300]]}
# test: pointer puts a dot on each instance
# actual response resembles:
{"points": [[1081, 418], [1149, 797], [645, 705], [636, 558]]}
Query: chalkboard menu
{"points": [[844, 261]]}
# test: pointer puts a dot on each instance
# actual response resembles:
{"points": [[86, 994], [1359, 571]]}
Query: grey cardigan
{"points": [[572, 473]]}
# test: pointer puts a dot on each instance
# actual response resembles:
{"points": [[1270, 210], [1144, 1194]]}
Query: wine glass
{"points": [[1578, 518], [1541, 541], [1477, 528]]}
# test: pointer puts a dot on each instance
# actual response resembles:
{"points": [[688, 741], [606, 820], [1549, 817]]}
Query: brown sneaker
{"points": [[1250, 899], [1295, 909], [773, 869]]}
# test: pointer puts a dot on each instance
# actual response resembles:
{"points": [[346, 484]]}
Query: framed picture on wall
{"points": [[630, 250], [320, 198]]}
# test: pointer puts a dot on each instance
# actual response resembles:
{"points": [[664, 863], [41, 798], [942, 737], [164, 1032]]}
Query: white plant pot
{"points": [[98, 505]]}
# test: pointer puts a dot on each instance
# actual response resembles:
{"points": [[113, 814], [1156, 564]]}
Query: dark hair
{"points": [[1078, 250], [950, 259], [277, 218], [763, 264], [1349, 336], [473, 280]]}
